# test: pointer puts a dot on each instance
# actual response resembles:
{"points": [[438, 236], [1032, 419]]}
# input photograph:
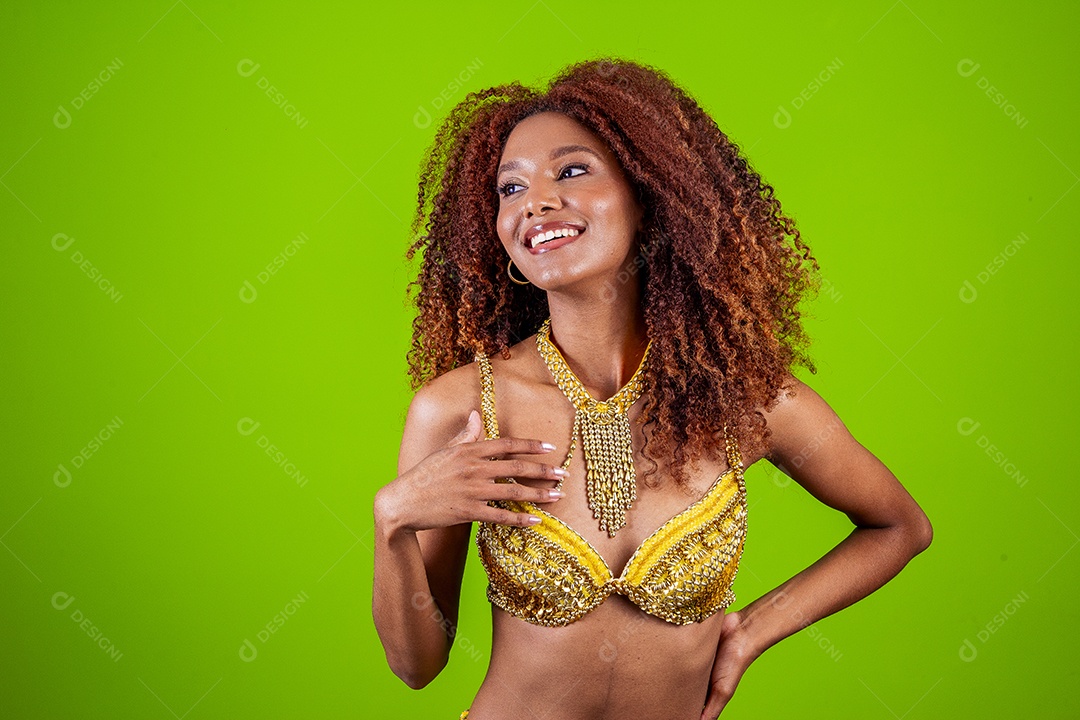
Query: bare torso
{"points": [[617, 661]]}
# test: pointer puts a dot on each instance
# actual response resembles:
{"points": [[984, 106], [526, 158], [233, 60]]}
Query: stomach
{"points": [[617, 662]]}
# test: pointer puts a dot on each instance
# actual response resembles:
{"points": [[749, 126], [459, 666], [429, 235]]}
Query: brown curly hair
{"points": [[723, 270]]}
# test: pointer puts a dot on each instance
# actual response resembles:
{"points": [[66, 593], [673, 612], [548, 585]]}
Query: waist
{"points": [[617, 662]]}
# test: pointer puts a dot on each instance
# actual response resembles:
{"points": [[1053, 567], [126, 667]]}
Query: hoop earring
{"points": [[509, 272]]}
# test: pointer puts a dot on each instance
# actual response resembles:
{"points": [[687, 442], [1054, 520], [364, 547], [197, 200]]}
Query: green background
{"points": [[177, 538]]}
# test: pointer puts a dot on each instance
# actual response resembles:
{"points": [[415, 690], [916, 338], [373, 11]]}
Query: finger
{"points": [[510, 446], [506, 517], [714, 705], [518, 468], [521, 493], [472, 431]]}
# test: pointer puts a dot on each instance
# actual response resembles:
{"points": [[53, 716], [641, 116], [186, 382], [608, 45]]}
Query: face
{"points": [[556, 175]]}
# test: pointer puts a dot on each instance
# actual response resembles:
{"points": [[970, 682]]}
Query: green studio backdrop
{"points": [[204, 213]]}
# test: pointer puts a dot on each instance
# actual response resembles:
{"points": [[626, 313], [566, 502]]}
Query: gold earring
{"points": [[509, 272]]}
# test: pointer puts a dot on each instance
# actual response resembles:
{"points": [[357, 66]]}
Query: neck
{"points": [[603, 338]]}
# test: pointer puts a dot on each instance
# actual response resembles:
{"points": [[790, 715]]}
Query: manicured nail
{"points": [[561, 472], [547, 446], [533, 520], [555, 493]]}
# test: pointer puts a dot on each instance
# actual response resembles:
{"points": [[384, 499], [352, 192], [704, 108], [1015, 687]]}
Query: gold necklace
{"points": [[611, 485]]}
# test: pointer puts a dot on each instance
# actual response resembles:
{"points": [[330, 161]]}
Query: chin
{"points": [[577, 280]]}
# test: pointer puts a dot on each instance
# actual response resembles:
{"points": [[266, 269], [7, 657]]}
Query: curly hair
{"points": [[723, 270]]}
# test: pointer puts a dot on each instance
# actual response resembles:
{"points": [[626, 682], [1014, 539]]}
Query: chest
{"points": [[544, 413]]}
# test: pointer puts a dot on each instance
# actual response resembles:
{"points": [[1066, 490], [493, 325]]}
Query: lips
{"points": [[558, 233]]}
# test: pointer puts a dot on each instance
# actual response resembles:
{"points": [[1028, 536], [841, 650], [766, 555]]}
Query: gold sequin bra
{"points": [[548, 574]]}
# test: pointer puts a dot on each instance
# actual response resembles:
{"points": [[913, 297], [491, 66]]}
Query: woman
{"points": [[605, 241]]}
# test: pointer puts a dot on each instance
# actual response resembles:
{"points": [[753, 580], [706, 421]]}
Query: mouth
{"points": [[549, 236]]}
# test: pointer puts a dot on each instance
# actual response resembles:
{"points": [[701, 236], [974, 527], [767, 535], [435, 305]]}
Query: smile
{"points": [[549, 236], [544, 238], [547, 243]]}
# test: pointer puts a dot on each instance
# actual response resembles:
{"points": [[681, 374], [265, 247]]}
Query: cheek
{"points": [[617, 212], [504, 229]]}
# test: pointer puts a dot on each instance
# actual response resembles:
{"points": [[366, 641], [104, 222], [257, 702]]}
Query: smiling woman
{"points": [[585, 173], [603, 255]]}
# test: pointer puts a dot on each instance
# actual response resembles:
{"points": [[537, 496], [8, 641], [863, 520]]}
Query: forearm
{"points": [[415, 633], [860, 564]]}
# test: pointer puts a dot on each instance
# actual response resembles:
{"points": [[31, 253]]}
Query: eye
{"points": [[504, 189], [583, 168]]}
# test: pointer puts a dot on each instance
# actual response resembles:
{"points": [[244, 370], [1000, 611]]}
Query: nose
{"points": [[543, 194]]}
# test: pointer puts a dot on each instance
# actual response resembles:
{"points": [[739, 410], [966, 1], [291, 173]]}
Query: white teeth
{"points": [[550, 235]]}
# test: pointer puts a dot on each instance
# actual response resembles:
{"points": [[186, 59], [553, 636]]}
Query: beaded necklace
{"points": [[611, 485]]}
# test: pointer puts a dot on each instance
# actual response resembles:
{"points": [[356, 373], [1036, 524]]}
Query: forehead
{"points": [[539, 133]]}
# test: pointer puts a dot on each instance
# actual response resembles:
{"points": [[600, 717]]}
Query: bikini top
{"points": [[548, 574]]}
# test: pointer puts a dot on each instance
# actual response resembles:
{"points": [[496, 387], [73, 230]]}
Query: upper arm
{"points": [[438, 411], [811, 444]]}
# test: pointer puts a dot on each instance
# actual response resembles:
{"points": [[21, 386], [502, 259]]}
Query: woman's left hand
{"points": [[734, 653]]}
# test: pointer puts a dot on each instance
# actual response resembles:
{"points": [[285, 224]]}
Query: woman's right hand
{"points": [[454, 484]]}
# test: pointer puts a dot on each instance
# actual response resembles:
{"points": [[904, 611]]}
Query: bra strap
{"points": [[487, 396], [733, 455]]}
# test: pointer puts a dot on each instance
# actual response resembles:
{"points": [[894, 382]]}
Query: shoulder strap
{"points": [[733, 454], [487, 396]]}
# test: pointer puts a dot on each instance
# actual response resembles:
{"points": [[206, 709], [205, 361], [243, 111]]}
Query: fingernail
{"points": [[547, 446], [555, 493], [533, 520], [561, 472]]}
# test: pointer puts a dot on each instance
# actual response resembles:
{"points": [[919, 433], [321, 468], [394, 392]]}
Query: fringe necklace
{"points": [[611, 485]]}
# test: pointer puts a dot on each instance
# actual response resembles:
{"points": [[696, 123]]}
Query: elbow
{"points": [[922, 533], [417, 675], [415, 660], [416, 681]]}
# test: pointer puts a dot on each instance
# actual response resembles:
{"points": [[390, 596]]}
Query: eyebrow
{"points": [[556, 153]]}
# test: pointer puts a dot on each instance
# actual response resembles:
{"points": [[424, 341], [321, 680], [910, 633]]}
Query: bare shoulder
{"points": [[440, 408], [774, 412], [797, 413], [438, 411], [811, 444]]}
